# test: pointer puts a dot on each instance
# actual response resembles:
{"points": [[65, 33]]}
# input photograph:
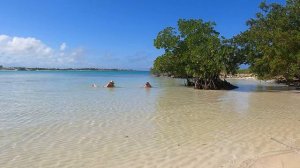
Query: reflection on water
{"points": [[55, 119]]}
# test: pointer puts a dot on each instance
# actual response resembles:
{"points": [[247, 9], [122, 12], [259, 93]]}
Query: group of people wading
{"points": [[111, 84]]}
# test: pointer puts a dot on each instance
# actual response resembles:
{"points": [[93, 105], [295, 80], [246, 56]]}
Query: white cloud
{"points": [[63, 46], [29, 51]]}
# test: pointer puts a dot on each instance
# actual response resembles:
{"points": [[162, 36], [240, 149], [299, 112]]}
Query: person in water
{"points": [[147, 85], [94, 85], [110, 84]]}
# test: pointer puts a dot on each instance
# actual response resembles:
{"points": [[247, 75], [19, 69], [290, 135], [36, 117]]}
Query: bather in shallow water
{"points": [[110, 84], [147, 85]]}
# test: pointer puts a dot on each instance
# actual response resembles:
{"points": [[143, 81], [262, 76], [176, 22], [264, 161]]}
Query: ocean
{"points": [[56, 119]]}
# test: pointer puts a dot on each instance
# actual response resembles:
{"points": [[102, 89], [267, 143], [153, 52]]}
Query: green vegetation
{"points": [[195, 51], [243, 71], [271, 45]]}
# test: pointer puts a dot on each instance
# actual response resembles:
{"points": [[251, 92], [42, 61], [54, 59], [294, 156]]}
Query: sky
{"points": [[104, 33]]}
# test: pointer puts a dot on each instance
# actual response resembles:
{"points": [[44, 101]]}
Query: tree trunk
{"points": [[214, 83]]}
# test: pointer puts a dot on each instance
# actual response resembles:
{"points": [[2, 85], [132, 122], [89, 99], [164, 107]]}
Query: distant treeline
{"points": [[243, 71], [194, 50], [60, 69]]}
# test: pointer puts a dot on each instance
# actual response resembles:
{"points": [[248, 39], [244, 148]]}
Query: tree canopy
{"points": [[271, 45], [196, 51]]}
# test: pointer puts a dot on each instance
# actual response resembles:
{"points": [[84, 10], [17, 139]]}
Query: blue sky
{"points": [[104, 33]]}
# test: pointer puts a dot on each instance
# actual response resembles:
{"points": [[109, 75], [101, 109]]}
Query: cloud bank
{"points": [[32, 52]]}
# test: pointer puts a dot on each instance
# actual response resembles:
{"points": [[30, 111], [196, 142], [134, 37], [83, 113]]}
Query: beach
{"points": [[56, 119]]}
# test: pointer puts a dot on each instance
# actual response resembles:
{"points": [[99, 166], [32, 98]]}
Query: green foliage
{"points": [[195, 50], [167, 39], [243, 71], [271, 46], [272, 42], [232, 56]]}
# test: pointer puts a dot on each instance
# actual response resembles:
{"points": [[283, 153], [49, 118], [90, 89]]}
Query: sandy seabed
{"points": [[289, 159], [169, 126]]}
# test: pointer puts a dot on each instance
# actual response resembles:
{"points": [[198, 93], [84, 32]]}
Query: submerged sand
{"points": [[169, 126], [284, 159]]}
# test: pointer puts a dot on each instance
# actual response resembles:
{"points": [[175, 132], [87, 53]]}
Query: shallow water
{"points": [[55, 119]]}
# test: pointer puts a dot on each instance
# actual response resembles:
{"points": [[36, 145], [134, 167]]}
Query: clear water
{"points": [[56, 119]]}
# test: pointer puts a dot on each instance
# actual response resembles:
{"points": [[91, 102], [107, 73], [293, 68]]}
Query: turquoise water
{"points": [[30, 98], [56, 119]]}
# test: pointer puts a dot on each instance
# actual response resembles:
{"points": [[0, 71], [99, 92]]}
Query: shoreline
{"points": [[241, 76], [60, 69]]}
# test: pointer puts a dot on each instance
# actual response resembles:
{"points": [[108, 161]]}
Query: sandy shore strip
{"points": [[241, 76]]}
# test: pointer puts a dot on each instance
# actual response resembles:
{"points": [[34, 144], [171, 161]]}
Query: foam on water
{"points": [[55, 119]]}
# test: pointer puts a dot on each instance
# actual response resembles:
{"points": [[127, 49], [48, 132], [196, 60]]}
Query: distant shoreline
{"points": [[60, 69], [241, 76]]}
